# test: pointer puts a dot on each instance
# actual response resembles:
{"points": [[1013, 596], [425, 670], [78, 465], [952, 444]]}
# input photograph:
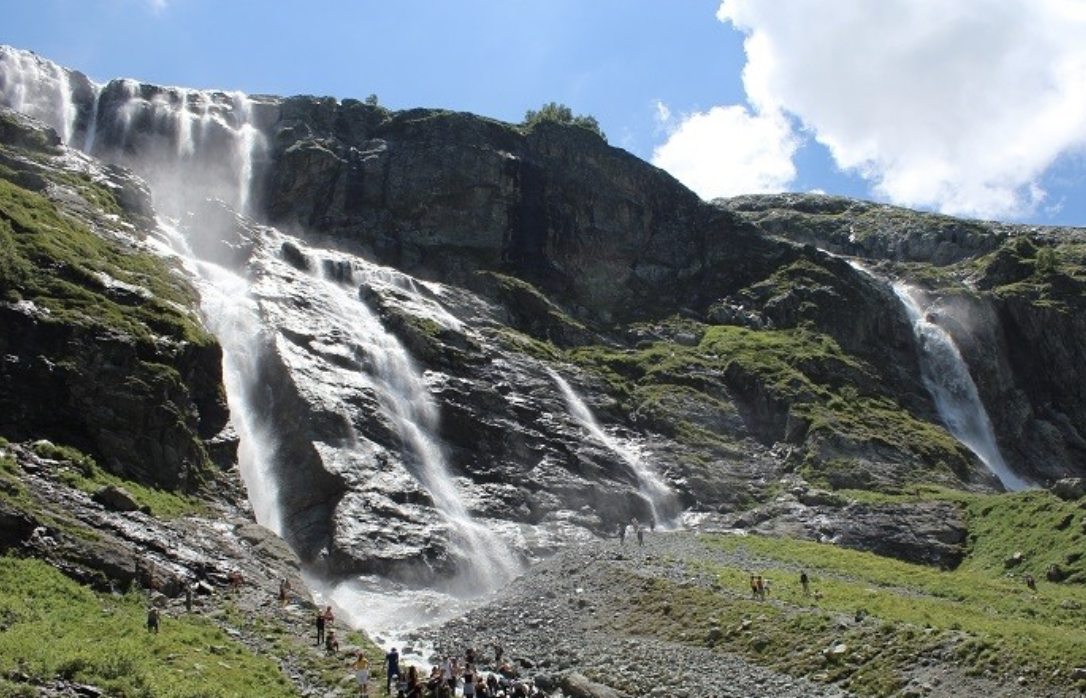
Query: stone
{"points": [[576, 685], [116, 498], [1014, 560], [1070, 489]]}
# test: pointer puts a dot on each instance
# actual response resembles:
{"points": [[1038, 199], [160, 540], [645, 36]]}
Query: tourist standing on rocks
{"points": [[391, 667], [469, 680], [451, 670], [361, 668], [152, 619], [498, 648], [640, 536], [320, 627], [331, 644], [622, 534]]}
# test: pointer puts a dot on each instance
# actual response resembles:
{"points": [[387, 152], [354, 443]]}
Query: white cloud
{"points": [[728, 151], [959, 106]]}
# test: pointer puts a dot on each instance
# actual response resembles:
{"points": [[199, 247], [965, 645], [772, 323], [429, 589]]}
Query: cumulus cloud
{"points": [[959, 106], [727, 151]]}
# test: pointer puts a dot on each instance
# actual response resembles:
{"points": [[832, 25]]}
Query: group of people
{"points": [[759, 586], [639, 530], [446, 677]]}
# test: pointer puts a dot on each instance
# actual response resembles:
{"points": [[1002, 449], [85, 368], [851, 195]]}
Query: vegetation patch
{"points": [[772, 379], [83, 472], [78, 277], [52, 627]]}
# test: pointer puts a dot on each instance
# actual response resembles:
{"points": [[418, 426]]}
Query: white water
{"points": [[198, 144], [38, 88], [947, 378], [660, 498], [485, 561], [233, 315]]}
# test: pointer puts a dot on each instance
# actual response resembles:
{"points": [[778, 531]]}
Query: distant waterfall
{"points": [[234, 316], [947, 378], [661, 499]]}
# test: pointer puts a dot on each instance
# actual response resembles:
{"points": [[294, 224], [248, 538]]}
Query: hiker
{"points": [[391, 667], [622, 534], [640, 536], [498, 648], [361, 668], [152, 619], [331, 644], [759, 588], [1031, 582], [753, 587], [284, 591], [188, 598], [320, 627], [805, 582]]}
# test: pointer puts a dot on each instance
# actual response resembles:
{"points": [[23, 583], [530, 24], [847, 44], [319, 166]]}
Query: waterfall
{"points": [[485, 561], [38, 88], [190, 144], [233, 315], [92, 127], [947, 379], [661, 499]]}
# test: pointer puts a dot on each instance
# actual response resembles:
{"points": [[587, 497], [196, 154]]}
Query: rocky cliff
{"points": [[400, 299]]}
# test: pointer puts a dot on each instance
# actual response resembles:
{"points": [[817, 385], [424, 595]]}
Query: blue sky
{"points": [[975, 108]]}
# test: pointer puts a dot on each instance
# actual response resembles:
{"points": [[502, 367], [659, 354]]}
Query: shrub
{"points": [[560, 113]]}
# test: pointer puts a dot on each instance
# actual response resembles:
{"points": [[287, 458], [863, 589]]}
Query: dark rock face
{"points": [[441, 194], [143, 409]]}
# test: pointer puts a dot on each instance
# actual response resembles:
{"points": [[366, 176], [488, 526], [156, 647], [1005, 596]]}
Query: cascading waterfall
{"points": [[661, 499], [485, 560], [234, 317], [947, 379], [92, 127], [189, 145]]}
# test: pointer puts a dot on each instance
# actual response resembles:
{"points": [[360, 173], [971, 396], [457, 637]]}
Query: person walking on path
{"points": [[392, 668], [622, 534], [640, 536], [805, 582], [152, 619]]}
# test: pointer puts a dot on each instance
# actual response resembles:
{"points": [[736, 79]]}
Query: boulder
{"points": [[576, 685], [116, 498], [1070, 488]]}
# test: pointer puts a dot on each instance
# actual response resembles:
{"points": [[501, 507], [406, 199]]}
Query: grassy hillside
{"points": [[54, 627], [872, 624]]}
